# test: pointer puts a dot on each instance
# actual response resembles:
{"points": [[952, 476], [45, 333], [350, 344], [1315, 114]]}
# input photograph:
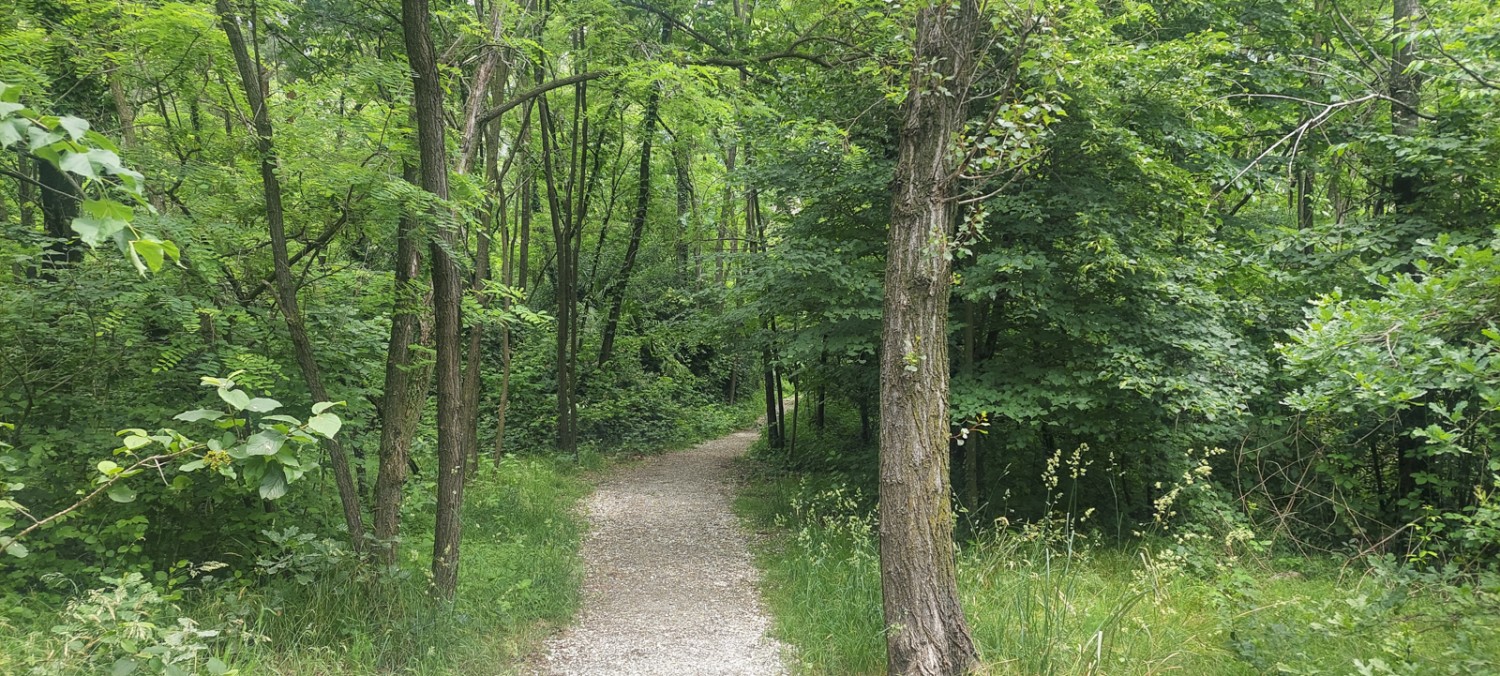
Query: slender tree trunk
{"points": [[408, 377], [1405, 98], [447, 285], [252, 79], [1405, 92], [565, 286], [925, 628], [615, 294], [682, 164]]}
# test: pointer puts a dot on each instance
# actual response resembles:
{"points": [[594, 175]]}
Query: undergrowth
{"points": [[307, 606], [1048, 598]]}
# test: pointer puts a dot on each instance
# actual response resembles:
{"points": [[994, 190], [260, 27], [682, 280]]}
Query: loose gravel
{"points": [[669, 587]]}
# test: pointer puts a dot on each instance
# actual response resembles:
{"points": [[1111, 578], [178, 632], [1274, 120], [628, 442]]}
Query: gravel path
{"points": [[669, 588]]}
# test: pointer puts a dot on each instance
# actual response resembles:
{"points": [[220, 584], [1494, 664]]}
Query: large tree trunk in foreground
{"points": [[286, 290], [925, 628], [447, 291]]}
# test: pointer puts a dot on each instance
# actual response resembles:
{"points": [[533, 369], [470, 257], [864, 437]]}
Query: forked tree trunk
{"points": [[925, 628], [447, 291], [286, 291]]}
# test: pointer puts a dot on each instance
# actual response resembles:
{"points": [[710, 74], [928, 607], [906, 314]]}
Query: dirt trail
{"points": [[669, 588]]}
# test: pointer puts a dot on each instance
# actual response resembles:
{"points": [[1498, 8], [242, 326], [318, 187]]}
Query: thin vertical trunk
{"points": [[971, 445], [925, 628], [252, 79], [447, 286], [565, 285], [1412, 460], [1405, 98], [408, 377], [615, 294], [682, 164]]}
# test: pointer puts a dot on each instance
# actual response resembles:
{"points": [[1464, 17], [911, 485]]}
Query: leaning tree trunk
{"points": [[447, 291], [925, 628], [285, 288]]}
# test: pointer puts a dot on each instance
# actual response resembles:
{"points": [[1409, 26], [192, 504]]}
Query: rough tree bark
{"points": [[252, 78], [925, 628], [407, 380], [447, 291]]}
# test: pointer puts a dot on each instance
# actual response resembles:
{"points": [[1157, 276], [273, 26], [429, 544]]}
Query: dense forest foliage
{"points": [[1223, 277]]}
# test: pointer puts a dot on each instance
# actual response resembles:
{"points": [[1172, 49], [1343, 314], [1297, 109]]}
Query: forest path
{"points": [[669, 588]]}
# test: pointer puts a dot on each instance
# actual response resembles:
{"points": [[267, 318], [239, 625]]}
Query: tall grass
{"points": [[1046, 599]]}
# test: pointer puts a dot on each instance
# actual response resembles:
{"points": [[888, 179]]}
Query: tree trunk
{"points": [[286, 291], [447, 287], [616, 293], [408, 377], [925, 628]]}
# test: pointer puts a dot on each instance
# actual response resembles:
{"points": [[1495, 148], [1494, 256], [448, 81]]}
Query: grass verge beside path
{"points": [[1043, 602], [306, 607]]}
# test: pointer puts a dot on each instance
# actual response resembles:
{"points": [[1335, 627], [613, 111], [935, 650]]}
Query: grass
{"points": [[307, 606], [320, 613], [1041, 602]]}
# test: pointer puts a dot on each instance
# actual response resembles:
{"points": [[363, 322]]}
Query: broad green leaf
{"points": [[121, 493], [273, 484], [151, 253], [236, 398], [262, 405], [123, 667], [75, 126], [198, 414], [17, 550], [325, 405], [326, 424], [11, 132], [77, 163], [265, 442], [108, 467]]}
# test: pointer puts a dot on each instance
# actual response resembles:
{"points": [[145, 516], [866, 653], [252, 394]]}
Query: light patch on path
{"points": [[669, 587]]}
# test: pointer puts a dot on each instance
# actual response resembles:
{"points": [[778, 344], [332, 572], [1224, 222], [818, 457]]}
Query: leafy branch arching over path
{"points": [[670, 588]]}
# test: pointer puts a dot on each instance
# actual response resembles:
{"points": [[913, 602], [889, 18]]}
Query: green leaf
{"points": [[273, 484], [326, 424], [108, 467], [17, 549], [198, 414], [236, 398], [121, 493], [77, 163], [136, 441], [216, 667], [11, 132], [76, 126], [123, 667], [325, 405], [264, 443], [262, 405], [151, 253]]}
